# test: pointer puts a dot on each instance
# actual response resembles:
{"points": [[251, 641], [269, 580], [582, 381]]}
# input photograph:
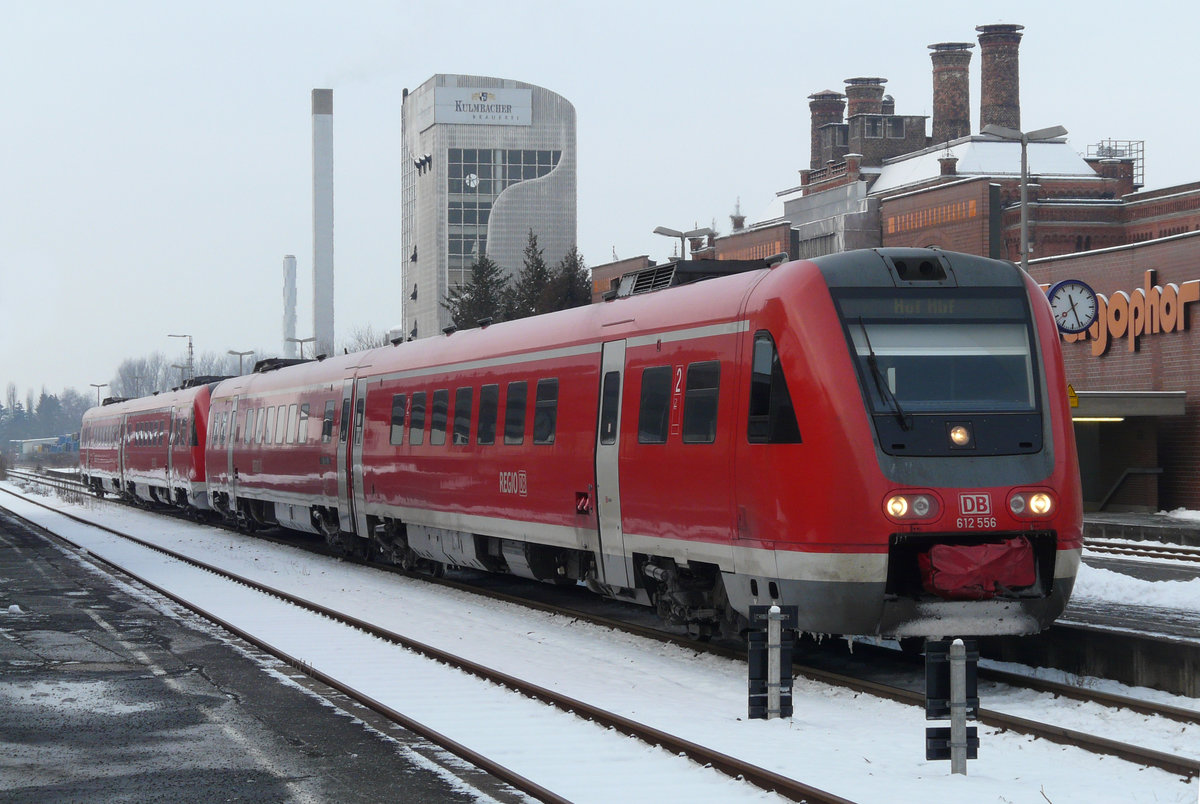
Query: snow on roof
{"points": [[980, 155], [774, 211]]}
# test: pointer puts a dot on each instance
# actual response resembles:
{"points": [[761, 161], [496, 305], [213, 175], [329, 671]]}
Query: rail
{"points": [[1095, 743], [729, 765]]}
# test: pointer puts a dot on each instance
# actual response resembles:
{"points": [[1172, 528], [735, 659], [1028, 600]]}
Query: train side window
{"points": [[463, 399], [360, 408], [280, 423], [437, 417], [655, 406], [772, 417], [289, 431], [416, 421], [268, 429], [302, 425], [235, 428], [545, 412], [327, 421], [224, 426], [514, 412], [345, 423], [258, 426], [194, 439], [700, 402], [610, 407], [250, 414], [399, 407], [489, 407]]}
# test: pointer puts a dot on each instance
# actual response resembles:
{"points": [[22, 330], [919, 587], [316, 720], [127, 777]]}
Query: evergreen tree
{"points": [[531, 292], [485, 295], [571, 283], [49, 418]]}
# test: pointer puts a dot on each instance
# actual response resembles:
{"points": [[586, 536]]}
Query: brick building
{"points": [[875, 179]]}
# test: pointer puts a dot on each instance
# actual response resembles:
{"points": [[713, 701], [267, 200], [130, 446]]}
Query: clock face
{"points": [[472, 180], [1073, 304]]}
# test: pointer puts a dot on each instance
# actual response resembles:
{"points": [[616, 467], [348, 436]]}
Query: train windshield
{"points": [[943, 352]]}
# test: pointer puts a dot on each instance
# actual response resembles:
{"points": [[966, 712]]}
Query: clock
{"points": [[472, 180], [1073, 304]]}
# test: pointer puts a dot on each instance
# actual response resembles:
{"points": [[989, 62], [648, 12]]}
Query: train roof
{"points": [[177, 397]]}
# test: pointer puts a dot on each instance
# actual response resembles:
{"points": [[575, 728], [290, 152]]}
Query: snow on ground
{"points": [[1094, 584], [855, 745]]}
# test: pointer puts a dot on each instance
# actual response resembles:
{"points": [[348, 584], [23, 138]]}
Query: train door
{"points": [[122, 449], [616, 568], [345, 456], [172, 426], [231, 473], [358, 492]]}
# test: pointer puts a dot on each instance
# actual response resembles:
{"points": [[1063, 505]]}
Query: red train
{"points": [[881, 438], [149, 449]]}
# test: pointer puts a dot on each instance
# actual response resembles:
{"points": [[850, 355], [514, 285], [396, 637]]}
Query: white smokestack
{"points": [[289, 306], [322, 116]]}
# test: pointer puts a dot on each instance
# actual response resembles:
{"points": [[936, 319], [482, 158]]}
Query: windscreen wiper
{"points": [[881, 383]]}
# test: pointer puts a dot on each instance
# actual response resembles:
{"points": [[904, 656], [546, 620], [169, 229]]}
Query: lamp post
{"points": [[1024, 137], [191, 371], [683, 236], [98, 386], [300, 341], [240, 356]]}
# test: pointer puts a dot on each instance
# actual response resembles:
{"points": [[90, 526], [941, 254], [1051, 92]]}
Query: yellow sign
{"points": [[1072, 397]]}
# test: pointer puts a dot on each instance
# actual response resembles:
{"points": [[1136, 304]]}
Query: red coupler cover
{"points": [[977, 571]]}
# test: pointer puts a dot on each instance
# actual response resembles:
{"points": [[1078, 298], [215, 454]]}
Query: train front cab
{"points": [[947, 500]]}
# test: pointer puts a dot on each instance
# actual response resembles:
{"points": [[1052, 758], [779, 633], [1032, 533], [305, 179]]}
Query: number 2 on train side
{"points": [[676, 400]]}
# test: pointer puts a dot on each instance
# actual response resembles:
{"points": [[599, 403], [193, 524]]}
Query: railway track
{"points": [[1118, 547], [1184, 766], [733, 767]]}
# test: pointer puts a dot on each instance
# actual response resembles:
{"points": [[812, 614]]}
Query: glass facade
{"points": [[475, 178]]}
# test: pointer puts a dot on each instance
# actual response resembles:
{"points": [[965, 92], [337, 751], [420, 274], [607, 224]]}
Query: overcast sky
{"points": [[155, 158]]}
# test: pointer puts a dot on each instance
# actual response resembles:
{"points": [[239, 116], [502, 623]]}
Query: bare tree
{"points": [[142, 376], [364, 338]]}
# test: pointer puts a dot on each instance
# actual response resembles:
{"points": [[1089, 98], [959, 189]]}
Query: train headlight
{"points": [[912, 507], [960, 435], [1031, 504], [921, 506]]}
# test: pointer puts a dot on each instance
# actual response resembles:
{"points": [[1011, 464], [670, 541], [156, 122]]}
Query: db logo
{"points": [[975, 504], [513, 483]]}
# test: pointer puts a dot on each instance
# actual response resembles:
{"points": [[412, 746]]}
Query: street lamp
{"points": [[191, 371], [683, 236], [98, 386], [300, 341], [1024, 137], [240, 355]]}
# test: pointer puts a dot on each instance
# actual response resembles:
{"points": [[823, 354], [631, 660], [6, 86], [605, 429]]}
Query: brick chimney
{"points": [[951, 90], [826, 107], [864, 96], [853, 167], [1000, 75]]}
